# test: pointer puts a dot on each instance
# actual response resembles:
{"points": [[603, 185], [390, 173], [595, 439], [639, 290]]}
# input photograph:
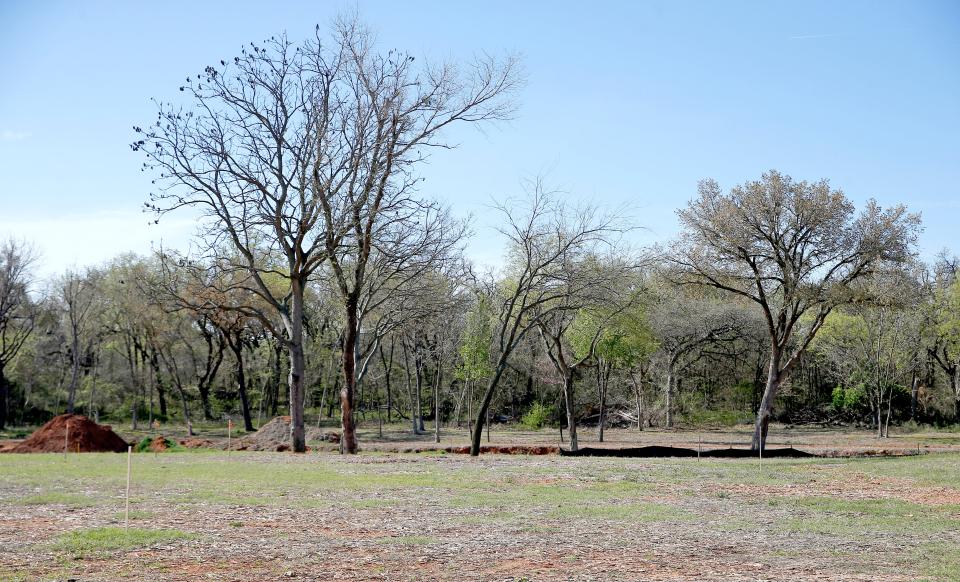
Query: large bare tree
{"points": [[302, 155], [793, 248]]}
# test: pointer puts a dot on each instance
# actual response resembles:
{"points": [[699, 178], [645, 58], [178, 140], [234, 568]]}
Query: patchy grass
{"points": [[439, 516], [109, 539], [56, 498], [838, 516], [940, 561], [943, 469]]}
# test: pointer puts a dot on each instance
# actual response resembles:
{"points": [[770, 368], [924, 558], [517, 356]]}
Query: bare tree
{"points": [[78, 294], [18, 314], [792, 248], [412, 267], [300, 156], [586, 287], [547, 240]]}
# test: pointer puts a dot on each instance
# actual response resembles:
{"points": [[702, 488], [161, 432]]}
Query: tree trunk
{"points": [[186, 408], [436, 400], [878, 377], [880, 416], [603, 377], [419, 391], [955, 387], [242, 384], [323, 401], [477, 432], [212, 364], [571, 410], [886, 424], [92, 398], [668, 397], [150, 405], [4, 398], [458, 409], [331, 404], [297, 365], [348, 440], [470, 405], [410, 394], [161, 393], [387, 373], [131, 355], [204, 389], [638, 393], [275, 385], [914, 389], [774, 379], [75, 375]]}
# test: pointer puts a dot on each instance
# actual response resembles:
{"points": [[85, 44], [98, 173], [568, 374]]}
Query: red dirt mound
{"points": [[75, 432], [195, 443], [158, 445]]}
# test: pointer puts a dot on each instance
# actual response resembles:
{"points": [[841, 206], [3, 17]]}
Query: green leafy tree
{"points": [[792, 248], [623, 342], [946, 350], [474, 352]]}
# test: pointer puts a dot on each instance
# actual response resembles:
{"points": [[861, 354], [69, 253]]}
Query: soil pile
{"points": [[158, 445], [195, 443], [8, 446], [75, 432], [275, 436]]}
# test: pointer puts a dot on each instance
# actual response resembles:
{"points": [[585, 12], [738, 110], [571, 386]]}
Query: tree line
{"points": [[323, 281]]}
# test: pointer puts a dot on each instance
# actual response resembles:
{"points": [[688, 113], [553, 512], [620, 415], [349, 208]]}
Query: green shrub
{"points": [[848, 399], [538, 416], [144, 445]]}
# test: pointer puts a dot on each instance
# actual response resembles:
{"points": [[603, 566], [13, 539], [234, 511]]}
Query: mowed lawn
{"points": [[380, 516]]}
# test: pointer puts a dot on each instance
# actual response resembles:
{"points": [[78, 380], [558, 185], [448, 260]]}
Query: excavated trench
{"points": [[661, 451], [657, 451]]}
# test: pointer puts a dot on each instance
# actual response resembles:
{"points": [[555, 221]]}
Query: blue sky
{"points": [[626, 103]]}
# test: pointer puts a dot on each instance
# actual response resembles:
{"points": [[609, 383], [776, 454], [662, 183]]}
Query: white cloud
{"points": [[79, 240], [8, 135]]}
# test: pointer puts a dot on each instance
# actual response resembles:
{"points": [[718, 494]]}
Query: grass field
{"points": [[383, 516]]}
